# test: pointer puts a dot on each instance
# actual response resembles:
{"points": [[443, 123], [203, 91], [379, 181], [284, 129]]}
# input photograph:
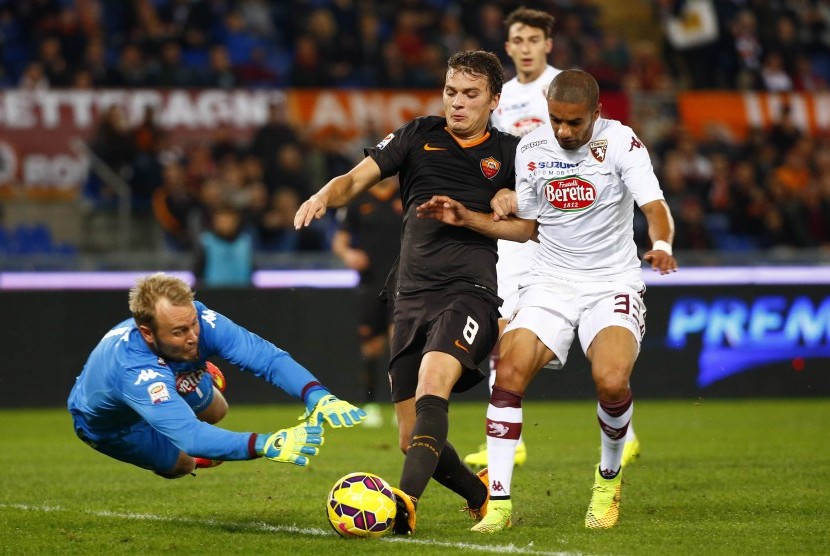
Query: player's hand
{"points": [[356, 259], [661, 261], [504, 203], [444, 209], [313, 208], [294, 445], [335, 412]]}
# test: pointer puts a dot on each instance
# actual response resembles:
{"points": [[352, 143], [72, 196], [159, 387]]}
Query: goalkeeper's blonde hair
{"points": [[149, 289]]}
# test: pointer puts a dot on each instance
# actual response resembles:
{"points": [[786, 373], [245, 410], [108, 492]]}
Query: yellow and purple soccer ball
{"points": [[361, 505]]}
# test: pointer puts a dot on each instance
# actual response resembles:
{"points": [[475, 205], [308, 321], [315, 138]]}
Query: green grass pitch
{"points": [[715, 477]]}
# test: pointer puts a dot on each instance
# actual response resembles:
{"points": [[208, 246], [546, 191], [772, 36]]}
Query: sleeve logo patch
{"points": [[147, 375], [209, 317], [158, 392], [385, 141]]}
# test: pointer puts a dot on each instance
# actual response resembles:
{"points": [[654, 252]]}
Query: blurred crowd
{"points": [[758, 44], [765, 45], [257, 43], [770, 190], [263, 178]]}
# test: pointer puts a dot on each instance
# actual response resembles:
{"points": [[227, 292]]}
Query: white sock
{"points": [[612, 448], [502, 425], [492, 380]]}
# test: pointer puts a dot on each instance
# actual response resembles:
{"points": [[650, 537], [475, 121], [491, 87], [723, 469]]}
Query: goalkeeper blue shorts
{"points": [[139, 444]]}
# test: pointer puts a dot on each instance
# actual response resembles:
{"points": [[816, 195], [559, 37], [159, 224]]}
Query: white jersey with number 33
{"points": [[584, 202]]}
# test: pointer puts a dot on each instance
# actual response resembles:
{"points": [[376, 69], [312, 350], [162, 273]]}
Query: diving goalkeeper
{"points": [[148, 396]]}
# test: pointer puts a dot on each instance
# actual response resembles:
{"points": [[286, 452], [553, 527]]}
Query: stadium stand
{"points": [[768, 192]]}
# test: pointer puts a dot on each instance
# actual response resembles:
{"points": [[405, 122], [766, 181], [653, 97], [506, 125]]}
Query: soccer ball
{"points": [[361, 505]]}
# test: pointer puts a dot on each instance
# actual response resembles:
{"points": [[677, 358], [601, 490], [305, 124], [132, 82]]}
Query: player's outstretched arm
{"points": [[338, 192], [293, 445], [449, 211], [334, 411]]}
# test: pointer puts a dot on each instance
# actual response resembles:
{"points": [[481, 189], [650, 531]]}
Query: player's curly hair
{"points": [[479, 63], [149, 289], [532, 18]]}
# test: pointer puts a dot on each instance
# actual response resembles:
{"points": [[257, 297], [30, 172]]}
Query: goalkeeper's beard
{"points": [[175, 353]]}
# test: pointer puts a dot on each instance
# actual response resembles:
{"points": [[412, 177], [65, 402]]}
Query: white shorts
{"points": [[513, 265], [557, 310]]}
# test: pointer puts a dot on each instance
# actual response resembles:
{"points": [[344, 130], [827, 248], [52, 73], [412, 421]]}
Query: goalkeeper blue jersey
{"points": [[124, 382]]}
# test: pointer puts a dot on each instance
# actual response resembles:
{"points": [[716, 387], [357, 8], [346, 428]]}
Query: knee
{"points": [[612, 387], [184, 466], [216, 411], [509, 377]]}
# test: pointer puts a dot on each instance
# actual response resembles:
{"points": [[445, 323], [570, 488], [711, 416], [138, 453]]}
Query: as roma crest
{"points": [[490, 167], [598, 149]]}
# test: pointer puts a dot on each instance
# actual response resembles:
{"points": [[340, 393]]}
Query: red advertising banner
{"points": [[38, 128], [740, 112], [375, 113], [356, 113]]}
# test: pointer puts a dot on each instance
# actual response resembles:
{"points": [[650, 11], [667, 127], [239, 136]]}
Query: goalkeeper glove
{"points": [[291, 445], [335, 412]]}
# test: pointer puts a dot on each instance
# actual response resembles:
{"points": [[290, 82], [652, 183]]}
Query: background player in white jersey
{"points": [[577, 182], [522, 109]]}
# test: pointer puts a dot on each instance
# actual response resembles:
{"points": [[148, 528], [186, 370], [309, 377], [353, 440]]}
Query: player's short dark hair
{"points": [[532, 18], [480, 63], [574, 86]]}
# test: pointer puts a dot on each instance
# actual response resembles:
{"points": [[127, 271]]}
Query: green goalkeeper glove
{"points": [[335, 412], [291, 445]]}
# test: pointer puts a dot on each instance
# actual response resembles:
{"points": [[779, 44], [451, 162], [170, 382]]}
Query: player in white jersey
{"points": [[522, 109], [576, 185]]}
